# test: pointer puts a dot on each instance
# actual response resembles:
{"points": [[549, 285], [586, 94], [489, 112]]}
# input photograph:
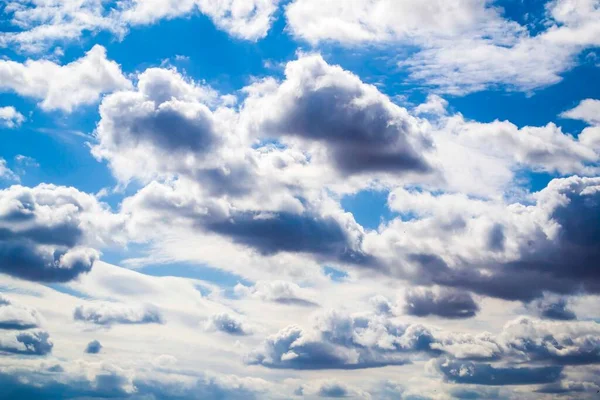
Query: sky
{"points": [[299, 199]]}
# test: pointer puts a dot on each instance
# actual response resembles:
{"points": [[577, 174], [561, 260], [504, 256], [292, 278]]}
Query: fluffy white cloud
{"points": [[85, 80], [10, 117], [41, 23], [587, 110], [246, 19]]}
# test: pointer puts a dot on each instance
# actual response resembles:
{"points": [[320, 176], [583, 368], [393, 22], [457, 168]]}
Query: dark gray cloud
{"points": [[93, 347], [486, 374], [105, 313], [333, 390], [227, 324], [444, 303], [41, 232], [362, 129], [340, 341], [556, 309], [27, 343], [306, 233]]}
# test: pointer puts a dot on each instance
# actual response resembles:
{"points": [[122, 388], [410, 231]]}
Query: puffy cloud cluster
{"points": [[85, 79], [342, 341], [244, 19], [496, 249], [10, 117], [350, 341], [35, 342], [46, 232], [106, 313], [227, 323], [39, 25]]}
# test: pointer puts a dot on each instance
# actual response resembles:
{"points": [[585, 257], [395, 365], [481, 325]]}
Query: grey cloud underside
{"points": [[23, 260], [56, 384], [556, 310], [333, 391], [447, 304], [486, 374], [292, 233], [361, 138], [345, 342]]}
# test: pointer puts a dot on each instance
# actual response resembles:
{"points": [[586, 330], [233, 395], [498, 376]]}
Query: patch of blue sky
{"points": [[369, 207], [334, 274]]}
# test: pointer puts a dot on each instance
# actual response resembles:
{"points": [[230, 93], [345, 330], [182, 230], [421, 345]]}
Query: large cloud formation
{"points": [[497, 249], [361, 128]]}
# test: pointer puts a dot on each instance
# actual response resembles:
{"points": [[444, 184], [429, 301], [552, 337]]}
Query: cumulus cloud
{"points": [[282, 292], [85, 79], [93, 347], [10, 117], [17, 317], [441, 302], [552, 241], [227, 323], [105, 313], [6, 173], [361, 128], [27, 343], [106, 380], [46, 232]]}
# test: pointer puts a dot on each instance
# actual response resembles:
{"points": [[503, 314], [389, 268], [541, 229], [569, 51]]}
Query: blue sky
{"points": [[231, 197]]}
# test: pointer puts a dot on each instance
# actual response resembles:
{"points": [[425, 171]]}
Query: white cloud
{"points": [[10, 117], [42, 24], [84, 79], [461, 47], [587, 110], [245, 19]]}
